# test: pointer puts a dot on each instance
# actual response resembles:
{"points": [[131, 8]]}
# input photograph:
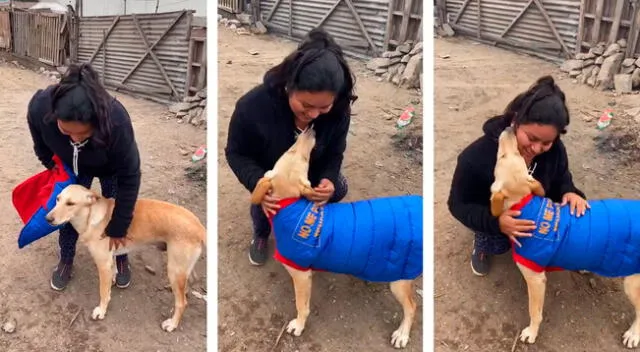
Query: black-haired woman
{"points": [[312, 85], [539, 116], [91, 132]]}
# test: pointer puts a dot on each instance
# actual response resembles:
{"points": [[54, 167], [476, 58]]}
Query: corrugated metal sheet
{"points": [[125, 47], [341, 24], [497, 15], [112, 7]]}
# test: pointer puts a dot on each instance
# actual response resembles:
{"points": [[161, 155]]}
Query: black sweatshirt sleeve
{"points": [[242, 135], [335, 152], [125, 158], [42, 151], [563, 180], [463, 207]]}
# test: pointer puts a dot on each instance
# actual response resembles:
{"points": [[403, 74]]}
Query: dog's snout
{"points": [[49, 218]]}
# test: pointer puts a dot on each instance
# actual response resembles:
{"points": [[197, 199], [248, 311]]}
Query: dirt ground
{"points": [[582, 312], [133, 320], [255, 302]]}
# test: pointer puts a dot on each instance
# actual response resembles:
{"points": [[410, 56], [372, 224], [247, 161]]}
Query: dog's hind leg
{"points": [[180, 263], [631, 337], [302, 286], [536, 286], [402, 291]]}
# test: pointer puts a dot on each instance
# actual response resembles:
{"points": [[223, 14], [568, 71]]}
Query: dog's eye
{"points": [[70, 203]]}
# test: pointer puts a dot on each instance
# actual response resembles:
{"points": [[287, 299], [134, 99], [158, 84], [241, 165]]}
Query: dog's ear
{"points": [[92, 198], [497, 203], [263, 186], [536, 187], [98, 211]]}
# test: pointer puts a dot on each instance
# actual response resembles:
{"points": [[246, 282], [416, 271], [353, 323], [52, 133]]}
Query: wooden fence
{"points": [[40, 36], [609, 21], [233, 6], [404, 22]]}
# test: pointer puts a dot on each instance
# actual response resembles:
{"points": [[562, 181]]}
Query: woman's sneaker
{"points": [[258, 250], [480, 263], [61, 276]]}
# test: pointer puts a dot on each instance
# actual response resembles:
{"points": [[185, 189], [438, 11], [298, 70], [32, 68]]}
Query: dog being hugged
{"points": [[154, 222], [604, 241], [377, 240]]}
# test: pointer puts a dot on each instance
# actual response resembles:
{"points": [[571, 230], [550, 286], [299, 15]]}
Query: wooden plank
{"points": [[595, 30], [135, 67], [326, 16], [517, 18], [459, 14], [104, 55], [553, 28], [617, 16], [290, 17], [154, 57], [580, 27], [202, 72], [273, 10], [404, 25], [356, 16], [187, 83], [96, 50], [634, 32], [389, 31], [512, 42], [479, 22]]}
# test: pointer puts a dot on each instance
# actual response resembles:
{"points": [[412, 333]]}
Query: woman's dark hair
{"points": [[80, 97], [544, 103], [317, 65]]}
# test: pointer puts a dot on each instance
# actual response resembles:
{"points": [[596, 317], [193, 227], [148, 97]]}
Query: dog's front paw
{"points": [[400, 338], [528, 335], [169, 325], [98, 313], [295, 328], [631, 338]]}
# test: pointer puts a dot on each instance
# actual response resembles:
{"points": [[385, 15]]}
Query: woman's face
{"points": [[77, 131], [535, 139], [307, 106]]}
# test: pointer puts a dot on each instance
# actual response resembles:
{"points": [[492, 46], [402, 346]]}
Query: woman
{"points": [[539, 116], [91, 132], [313, 85]]}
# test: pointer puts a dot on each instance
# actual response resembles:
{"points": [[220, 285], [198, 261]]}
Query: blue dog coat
{"points": [[36, 196], [605, 240], [377, 240]]}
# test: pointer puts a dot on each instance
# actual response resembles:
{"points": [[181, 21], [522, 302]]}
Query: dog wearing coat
{"points": [[604, 241], [378, 240]]}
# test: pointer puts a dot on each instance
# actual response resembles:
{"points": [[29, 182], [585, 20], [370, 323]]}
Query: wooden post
{"points": [[479, 29], [595, 30], [389, 29], [255, 10], [404, 26], [634, 31], [581, 27], [617, 16], [290, 18]]}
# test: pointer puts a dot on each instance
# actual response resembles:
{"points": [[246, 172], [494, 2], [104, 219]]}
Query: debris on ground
{"points": [[192, 109], [402, 66], [197, 172], [9, 326], [408, 138], [621, 139], [150, 270]]}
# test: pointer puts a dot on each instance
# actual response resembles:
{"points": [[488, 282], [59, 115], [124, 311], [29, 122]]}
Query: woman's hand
{"points": [[323, 192], [577, 204], [513, 228], [117, 242], [270, 205]]}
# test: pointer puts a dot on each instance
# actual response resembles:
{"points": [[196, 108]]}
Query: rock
{"points": [[395, 60], [396, 79], [244, 18], [181, 114], [401, 68], [417, 49], [420, 81], [597, 50], [575, 73], [378, 62], [448, 31], [202, 93], [585, 56], [570, 65], [233, 27], [599, 60], [580, 79], [62, 69], [260, 28], [406, 58], [178, 107], [635, 78], [235, 23], [591, 81], [588, 62], [623, 83], [610, 67], [192, 98], [612, 49], [203, 102], [404, 48], [628, 70], [622, 43], [391, 54], [243, 31], [224, 21], [9, 326], [380, 71], [200, 118], [411, 73], [637, 62], [586, 73], [628, 62]]}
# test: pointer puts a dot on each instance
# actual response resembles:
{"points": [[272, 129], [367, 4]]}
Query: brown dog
{"points": [[153, 222], [512, 184], [288, 180]]}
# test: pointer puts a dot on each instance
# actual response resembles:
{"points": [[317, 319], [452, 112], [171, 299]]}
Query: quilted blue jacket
{"points": [[377, 240], [605, 241]]}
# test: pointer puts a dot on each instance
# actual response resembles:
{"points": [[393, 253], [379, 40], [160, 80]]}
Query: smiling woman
{"points": [[90, 131], [539, 116], [312, 86]]}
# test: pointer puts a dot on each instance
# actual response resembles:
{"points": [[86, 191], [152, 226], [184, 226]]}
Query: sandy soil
{"points": [[133, 321], [255, 302], [582, 312]]}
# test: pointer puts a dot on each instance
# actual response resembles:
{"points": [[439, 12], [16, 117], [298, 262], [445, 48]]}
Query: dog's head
{"points": [[512, 180], [70, 203], [289, 176]]}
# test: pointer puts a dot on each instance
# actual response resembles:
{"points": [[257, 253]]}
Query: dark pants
{"points": [[261, 226], [492, 244], [68, 237]]}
